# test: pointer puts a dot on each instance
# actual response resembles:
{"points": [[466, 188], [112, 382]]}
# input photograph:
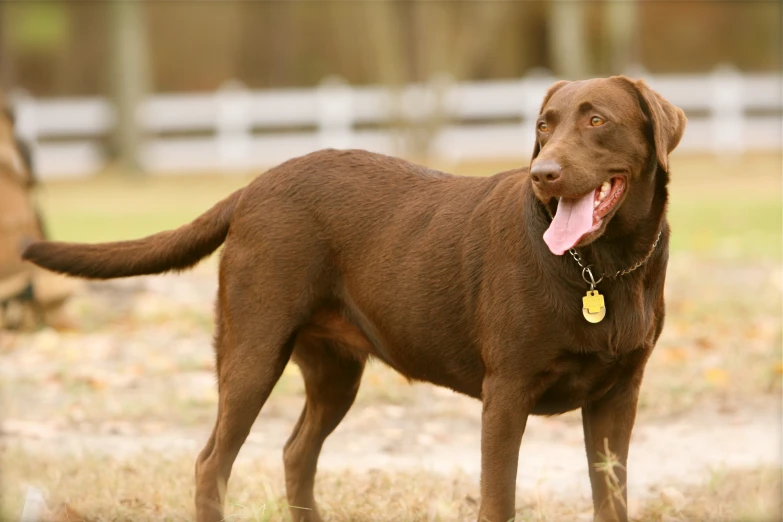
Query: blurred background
{"points": [[233, 85], [140, 115]]}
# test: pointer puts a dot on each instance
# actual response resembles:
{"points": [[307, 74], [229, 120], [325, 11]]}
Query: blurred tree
{"points": [[693, 37], [270, 43], [458, 38], [383, 21], [619, 42], [6, 56], [568, 45], [61, 47], [88, 55], [36, 32], [129, 78], [199, 45]]}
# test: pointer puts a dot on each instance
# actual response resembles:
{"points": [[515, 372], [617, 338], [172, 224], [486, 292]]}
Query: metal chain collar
{"points": [[586, 272]]}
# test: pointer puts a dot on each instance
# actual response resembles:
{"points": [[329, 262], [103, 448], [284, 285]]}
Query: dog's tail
{"points": [[171, 250]]}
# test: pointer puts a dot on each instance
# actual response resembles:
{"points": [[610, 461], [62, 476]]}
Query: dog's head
{"points": [[596, 142]]}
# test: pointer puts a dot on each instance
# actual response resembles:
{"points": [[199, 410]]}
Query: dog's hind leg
{"points": [[253, 347], [332, 376]]}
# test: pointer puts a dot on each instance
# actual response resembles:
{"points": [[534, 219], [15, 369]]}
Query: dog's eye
{"points": [[597, 121], [542, 127]]}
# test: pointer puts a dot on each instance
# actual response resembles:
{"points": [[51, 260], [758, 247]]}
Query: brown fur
{"points": [[338, 256]]}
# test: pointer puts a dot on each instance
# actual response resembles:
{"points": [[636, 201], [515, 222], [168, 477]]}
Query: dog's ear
{"points": [[27, 158], [552, 90], [668, 122]]}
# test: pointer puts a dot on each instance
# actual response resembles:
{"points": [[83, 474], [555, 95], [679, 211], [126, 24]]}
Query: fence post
{"points": [[416, 106], [26, 114], [335, 116], [636, 71], [34, 505], [234, 125], [727, 114], [442, 88], [423, 113]]}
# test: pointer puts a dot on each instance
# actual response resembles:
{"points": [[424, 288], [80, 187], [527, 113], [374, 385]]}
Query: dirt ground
{"points": [[134, 377]]}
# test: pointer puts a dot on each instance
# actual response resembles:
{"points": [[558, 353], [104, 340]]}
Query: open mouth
{"points": [[606, 197], [578, 217]]}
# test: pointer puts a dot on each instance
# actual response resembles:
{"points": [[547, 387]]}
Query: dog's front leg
{"points": [[506, 406], [607, 424]]}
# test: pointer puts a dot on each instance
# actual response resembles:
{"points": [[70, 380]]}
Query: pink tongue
{"points": [[574, 217]]}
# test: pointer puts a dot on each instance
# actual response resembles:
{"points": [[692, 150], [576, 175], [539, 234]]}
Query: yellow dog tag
{"points": [[593, 306]]}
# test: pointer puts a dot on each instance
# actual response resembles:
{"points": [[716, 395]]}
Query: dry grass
{"points": [[722, 338], [730, 496], [161, 488]]}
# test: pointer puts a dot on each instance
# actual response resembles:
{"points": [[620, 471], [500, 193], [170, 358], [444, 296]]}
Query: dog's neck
{"points": [[620, 247]]}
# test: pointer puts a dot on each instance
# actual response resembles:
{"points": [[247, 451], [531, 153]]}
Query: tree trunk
{"points": [[567, 39], [6, 59], [130, 78], [621, 27]]}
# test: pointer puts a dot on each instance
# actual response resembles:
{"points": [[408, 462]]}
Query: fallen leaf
{"points": [[96, 383], [717, 377], [66, 513], [674, 355], [673, 497]]}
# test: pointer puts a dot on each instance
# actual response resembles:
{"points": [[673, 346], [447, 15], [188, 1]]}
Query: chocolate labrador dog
{"points": [[535, 291]]}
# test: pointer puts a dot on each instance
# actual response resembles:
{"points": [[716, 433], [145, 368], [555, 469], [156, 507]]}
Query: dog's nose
{"points": [[545, 172]]}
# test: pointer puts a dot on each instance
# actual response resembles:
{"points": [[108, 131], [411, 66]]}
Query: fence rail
{"points": [[238, 129]]}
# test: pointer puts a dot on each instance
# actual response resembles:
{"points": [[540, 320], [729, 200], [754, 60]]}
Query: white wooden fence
{"points": [[235, 129]]}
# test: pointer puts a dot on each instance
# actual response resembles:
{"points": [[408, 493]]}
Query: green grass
{"points": [[728, 209], [743, 228], [719, 208], [113, 207]]}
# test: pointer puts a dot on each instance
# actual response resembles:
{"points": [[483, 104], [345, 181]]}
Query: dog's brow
{"points": [[550, 115], [585, 107], [604, 109]]}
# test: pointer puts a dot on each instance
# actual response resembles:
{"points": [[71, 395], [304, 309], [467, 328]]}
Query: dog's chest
{"points": [[589, 359], [630, 316], [581, 378]]}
